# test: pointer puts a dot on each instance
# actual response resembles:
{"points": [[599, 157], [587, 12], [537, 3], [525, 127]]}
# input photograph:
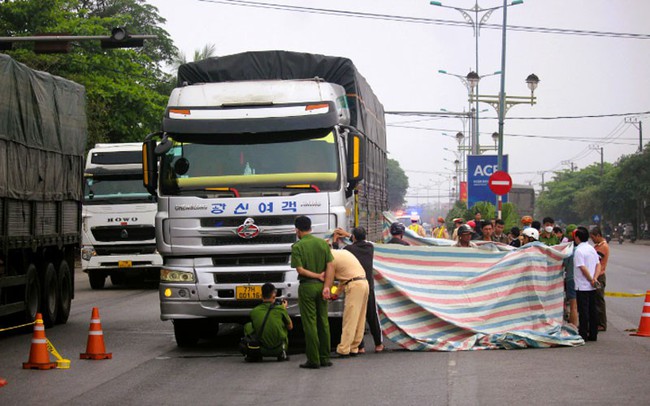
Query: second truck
{"points": [[248, 143], [118, 235]]}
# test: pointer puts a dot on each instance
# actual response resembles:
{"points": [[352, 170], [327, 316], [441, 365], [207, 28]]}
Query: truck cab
{"points": [[118, 235]]}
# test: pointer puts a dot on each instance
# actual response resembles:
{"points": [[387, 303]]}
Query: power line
{"points": [[428, 21], [446, 115]]}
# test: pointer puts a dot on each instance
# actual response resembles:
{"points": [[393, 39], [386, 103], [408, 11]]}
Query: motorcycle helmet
{"points": [[531, 233], [397, 228]]}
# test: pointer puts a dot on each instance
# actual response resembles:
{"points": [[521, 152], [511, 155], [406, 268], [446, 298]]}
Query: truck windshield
{"points": [[235, 169], [120, 189]]}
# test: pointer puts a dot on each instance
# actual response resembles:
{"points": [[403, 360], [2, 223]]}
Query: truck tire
{"points": [[97, 280], [118, 279], [186, 332], [32, 293], [65, 292], [51, 290]]}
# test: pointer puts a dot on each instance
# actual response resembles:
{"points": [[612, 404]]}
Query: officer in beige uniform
{"points": [[351, 276]]}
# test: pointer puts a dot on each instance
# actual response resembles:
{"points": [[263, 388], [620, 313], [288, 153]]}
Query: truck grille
{"points": [[249, 277], [236, 240], [237, 221], [125, 249], [124, 233], [250, 259]]}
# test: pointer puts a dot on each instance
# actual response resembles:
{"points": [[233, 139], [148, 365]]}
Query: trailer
{"points": [[43, 133]]}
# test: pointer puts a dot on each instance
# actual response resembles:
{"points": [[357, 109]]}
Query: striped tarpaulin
{"points": [[448, 298]]}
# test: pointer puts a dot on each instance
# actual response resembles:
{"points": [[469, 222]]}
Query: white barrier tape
{"points": [[96, 333]]}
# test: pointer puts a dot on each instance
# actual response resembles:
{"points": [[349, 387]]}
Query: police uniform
{"points": [[313, 254], [350, 274]]}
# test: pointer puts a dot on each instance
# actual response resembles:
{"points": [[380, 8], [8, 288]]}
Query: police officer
{"points": [[312, 258]]}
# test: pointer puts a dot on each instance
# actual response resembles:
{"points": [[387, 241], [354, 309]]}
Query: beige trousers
{"points": [[354, 316]]}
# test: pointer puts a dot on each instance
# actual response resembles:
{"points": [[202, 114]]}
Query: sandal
{"points": [[380, 348]]}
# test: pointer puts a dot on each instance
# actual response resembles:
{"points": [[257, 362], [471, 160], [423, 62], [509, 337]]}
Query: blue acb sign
{"points": [[479, 170]]}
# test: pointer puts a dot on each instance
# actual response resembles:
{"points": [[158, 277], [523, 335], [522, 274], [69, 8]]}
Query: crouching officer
{"points": [[275, 335]]}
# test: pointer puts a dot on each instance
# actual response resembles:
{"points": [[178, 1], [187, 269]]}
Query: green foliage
{"points": [[459, 210], [617, 195], [126, 89], [398, 182], [509, 215], [487, 210]]}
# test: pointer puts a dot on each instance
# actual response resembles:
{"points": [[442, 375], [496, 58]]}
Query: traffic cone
{"points": [[3, 382], [39, 358], [644, 323], [95, 348]]}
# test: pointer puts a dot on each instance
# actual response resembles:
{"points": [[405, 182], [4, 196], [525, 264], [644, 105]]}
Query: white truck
{"points": [[118, 235], [248, 143]]}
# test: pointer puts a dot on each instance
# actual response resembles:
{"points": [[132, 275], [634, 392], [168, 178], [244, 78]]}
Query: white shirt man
{"points": [[586, 268]]}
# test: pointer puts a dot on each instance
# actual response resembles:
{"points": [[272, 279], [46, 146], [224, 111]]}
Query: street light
{"points": [[471, 81]]}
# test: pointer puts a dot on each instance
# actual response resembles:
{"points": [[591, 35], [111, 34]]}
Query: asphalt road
{"points": [[148, 368]]}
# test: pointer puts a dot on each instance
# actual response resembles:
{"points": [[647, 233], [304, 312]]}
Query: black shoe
{"points": [[326, 364], [354, 354], [283, 356], [309, 365], [339, 355]]}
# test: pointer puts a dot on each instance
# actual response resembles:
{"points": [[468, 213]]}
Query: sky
{"points": [[586, 69]]}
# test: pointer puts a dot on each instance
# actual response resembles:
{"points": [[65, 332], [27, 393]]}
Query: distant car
{"points": [[406, 220]]}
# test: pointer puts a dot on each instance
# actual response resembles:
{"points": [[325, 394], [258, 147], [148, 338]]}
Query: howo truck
{"points": [[43, 133], [248, 143], [118, 236]]}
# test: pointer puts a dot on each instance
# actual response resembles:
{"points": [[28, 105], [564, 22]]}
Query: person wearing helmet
{"points": [[415, 226], [465, 237], [530, 235], [397, 230], [441, 230], [526, 221], [458, 221]]}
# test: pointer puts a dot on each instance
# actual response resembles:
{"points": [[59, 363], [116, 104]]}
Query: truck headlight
{"points": [[167, 275], [87, 253]]}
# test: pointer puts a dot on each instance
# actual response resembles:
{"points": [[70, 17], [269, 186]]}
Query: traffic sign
{"points": [[500, 182], [596, 218]]}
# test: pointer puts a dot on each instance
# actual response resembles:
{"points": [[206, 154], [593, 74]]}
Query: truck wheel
{"points": [[65, 293], [186, 333], [97, 280], [32, 294], [118, 279], [51, 290]]}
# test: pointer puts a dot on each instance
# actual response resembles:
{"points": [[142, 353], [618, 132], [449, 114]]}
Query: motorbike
{"points": [[608, 238], [620, 239]]}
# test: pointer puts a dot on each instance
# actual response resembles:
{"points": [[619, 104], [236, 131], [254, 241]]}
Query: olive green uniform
{"points": [[275, 336], [313, 254]]}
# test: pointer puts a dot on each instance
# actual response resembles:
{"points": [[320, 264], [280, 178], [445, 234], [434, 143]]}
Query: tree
{"points": [[398, 182], [208, 51], [126, 89]]}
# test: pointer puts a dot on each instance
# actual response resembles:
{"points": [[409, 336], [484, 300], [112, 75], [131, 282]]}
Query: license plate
{"points": [[124, 264], [248, 292]]}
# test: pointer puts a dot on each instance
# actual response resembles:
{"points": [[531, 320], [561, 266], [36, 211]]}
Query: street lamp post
{"points": [[471, 84], [476, 24]]}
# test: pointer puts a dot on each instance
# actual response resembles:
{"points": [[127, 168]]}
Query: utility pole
{"points": [[602, 163], [634, 121]]}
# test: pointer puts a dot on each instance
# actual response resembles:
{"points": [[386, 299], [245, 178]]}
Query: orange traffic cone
{"points": [[39, 358], [644, 323], [95, 348], [3, 382]]}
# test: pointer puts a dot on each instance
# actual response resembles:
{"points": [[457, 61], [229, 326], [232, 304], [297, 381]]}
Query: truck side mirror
{"points": [[356, 157], [149, 165]]}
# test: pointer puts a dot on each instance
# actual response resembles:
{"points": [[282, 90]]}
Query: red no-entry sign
{"points": [[500, 182]]}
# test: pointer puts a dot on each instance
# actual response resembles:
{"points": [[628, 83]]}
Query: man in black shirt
{"points": [[397, 230]]}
